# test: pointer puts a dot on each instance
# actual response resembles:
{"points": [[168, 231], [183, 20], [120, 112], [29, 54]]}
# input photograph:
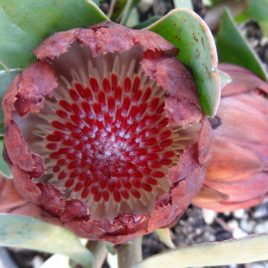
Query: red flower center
{"points": [[108, 141]]}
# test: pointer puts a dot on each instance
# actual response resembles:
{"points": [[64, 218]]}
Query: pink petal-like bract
{"points": [[237, 175], [105, 134]]}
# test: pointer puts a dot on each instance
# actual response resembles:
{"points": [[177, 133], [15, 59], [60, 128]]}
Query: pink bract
{"points": [[105, 134], [237, 175]]}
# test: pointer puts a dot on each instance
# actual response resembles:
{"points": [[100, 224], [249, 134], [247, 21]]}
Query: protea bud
{"points": [[237, 175], [104, 132]]}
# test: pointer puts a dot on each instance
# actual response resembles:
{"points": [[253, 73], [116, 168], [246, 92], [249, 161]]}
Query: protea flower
{"points": [[11, 202], [237, 175], [104, 132]]}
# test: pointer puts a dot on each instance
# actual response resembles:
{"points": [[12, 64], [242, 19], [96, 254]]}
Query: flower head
{"points": [[104, 132], [237, 175]]}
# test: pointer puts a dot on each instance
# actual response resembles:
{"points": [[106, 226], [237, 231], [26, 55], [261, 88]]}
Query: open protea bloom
{"points": [[104, 132], [237, 175]]}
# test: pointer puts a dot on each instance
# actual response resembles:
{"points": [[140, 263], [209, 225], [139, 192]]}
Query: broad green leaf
{"points": [[233, 47], [256, 10], [164, 235], [4, 168], [190, 34], [6, 77], [30, 233], [24, 24], [183, 3], [246, 250]]}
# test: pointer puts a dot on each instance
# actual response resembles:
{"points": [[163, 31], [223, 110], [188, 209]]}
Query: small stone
{"points": [[209, 215], [261, 228], [233, 224], [239, 213], [227, 213], [247, 226], [260, 212], [257, 265], [198, 231], [238, 233]]}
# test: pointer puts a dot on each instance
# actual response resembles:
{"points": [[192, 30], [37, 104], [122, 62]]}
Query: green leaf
{"points": [[183, 3], [4, 168], [6, 77], [264, 27], [246, 250], [130, 4], [190, 34], [256, 10], [24, 24], [233, 47], [117, 8], [133, 18], [30, 233], [164, 235], [147, 22]]}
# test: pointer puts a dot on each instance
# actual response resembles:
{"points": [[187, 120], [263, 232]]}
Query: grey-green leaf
{"points": [[4, 168], [256, 10], [246, 250], [6, 77], [190, 34], [30, 233], [233, 47], [24, 24]]}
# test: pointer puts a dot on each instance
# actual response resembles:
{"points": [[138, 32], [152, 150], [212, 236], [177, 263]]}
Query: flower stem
{"points": [[99, 251], [130, 253]]}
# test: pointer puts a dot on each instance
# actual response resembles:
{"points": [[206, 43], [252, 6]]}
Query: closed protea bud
{"points": [[104, 132], [237, 175]]}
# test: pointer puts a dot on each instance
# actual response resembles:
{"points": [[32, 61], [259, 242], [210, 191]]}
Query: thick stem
{"points": [[99, 251], [130, 253]]}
